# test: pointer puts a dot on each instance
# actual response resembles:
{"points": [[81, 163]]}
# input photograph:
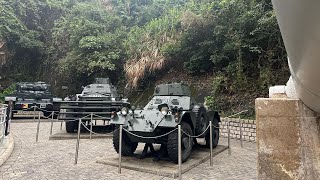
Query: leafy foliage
{"points": [[6, 92], [69, 42]]}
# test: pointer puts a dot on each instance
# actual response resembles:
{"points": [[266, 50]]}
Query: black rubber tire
{"points": [[71, 126], [215, 135], [128, 147], [187, 143], [202, 121]]}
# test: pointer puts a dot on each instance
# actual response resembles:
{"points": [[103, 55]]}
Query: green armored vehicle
{"points": [[96, 102], [37, 94], [170, 106]]}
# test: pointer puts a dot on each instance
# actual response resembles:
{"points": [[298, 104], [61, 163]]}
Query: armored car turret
{"points": [[171, 105]]}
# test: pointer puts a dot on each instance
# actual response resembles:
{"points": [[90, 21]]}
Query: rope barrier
{"points": [[196, 135], [97, 116], [217, 127], [95, 132], [154, 137]]}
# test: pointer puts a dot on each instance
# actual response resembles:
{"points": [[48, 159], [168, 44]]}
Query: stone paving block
{"points": [[55, 159], [162, 168]]}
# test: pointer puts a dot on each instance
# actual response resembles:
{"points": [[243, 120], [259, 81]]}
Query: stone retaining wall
{"points": [[248, 128]]}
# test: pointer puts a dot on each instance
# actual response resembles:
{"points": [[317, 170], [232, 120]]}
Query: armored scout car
{"points": [[96, 102], [170, 106], [29, 95]]}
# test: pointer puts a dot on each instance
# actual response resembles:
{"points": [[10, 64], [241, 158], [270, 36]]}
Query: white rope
{"points": [[196, 135], [154, 137], [77, 118], [95, 132], [217, 127], [44, 109], [97, 116]]}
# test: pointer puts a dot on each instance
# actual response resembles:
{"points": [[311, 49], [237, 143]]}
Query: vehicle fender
{"points": [[189, 117], [214, 116]]}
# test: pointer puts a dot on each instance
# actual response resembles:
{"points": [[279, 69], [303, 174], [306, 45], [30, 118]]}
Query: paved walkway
{"points": [[54, 159]]}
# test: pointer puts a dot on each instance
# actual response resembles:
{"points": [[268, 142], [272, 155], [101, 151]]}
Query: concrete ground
{"points": [[55, 159]]}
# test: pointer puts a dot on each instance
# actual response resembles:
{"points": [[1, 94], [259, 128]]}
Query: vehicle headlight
{"points": [[124, 111], [164, 110]]}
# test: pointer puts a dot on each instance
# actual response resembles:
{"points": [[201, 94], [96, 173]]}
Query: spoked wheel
{"points": [[186, 143]]}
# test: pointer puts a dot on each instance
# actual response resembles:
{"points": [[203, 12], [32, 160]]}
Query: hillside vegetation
{"points": [[235, 45]]}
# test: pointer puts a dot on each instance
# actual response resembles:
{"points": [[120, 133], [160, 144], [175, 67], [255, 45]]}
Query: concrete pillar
{"points": [[288, 139]]}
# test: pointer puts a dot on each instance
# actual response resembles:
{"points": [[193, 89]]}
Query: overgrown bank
{"points": [[234, 44]]}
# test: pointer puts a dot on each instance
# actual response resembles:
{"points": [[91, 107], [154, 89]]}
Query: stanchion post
{"points": [[34, 112], [52, 114], [91, 125], [179, 152], [211, 160], [241, 132], [61, 125], [38, 127], [229, 147], [120, 148], [78, 142]]}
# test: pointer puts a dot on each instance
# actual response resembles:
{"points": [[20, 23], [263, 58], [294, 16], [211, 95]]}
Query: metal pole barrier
{"points": [[78, 141], [241, 133], [52, 114], [229, 148], [61, 125], [34, 112], [211, 160], [120, 147], [179, 151], [38, 127], [91, 126]]}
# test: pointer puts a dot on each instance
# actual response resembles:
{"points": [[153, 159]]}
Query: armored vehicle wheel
{"points": [[215, 136], [202, 121], [71, 126], [128, 147], [186, 142]]}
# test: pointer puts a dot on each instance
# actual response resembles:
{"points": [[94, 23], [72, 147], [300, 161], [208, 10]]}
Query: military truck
{"points": [[29, 95], [96, 102], [170, 106]]}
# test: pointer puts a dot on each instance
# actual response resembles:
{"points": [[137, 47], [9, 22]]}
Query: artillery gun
{"points": [[170, 106], [95, 103], [37, 94]]}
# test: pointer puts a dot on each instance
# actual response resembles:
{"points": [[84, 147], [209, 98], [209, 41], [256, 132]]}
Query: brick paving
{"points": [[54, 159]]}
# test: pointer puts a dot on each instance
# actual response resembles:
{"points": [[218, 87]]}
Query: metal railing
{"points": [[121, 129], [5, 114]]}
